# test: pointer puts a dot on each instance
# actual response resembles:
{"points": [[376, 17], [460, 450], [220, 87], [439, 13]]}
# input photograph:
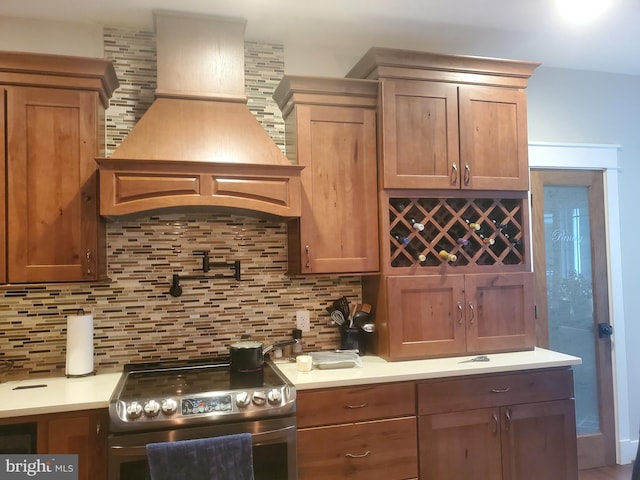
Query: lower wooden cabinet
{"points": [[381, 449], [366, 432], [83, 433], [516, 427]]}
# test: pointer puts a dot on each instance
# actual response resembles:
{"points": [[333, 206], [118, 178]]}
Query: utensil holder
{"points": [[350, 338]]}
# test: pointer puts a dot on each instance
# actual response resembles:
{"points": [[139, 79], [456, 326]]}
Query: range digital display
{"points": [[203, 405]]}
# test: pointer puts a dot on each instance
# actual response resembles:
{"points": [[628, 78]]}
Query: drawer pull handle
{"points": [[500, 390], [507, 414], [362, 405], [351, 455]]}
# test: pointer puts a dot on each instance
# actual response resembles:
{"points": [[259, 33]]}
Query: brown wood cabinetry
{"points": [[440, 135], [367, 432], [516, 426], [456, 267], [331, 131], [54, 111], [450, 122], [431, 316], [83, 433]]}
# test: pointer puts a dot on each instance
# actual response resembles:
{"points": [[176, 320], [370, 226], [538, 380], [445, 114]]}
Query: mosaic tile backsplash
{"points": [[135, 318]]}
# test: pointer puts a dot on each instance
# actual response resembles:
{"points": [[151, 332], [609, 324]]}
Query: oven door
{"points": [[274, 448]]}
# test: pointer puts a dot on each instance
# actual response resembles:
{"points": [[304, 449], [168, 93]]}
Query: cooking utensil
{"points": [[338, 318], [368, 327], [248, 355], [342, 304]]}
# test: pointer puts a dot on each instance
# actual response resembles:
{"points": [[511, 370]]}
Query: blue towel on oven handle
{"points": [[217, 458]]}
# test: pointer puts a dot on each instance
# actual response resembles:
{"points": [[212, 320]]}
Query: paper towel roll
{"points": [[79, 345]]}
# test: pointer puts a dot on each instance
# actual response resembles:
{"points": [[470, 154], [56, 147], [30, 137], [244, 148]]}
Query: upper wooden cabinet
{"points": [[54, 110], [450, 122], [436, 316], [331, 131]]}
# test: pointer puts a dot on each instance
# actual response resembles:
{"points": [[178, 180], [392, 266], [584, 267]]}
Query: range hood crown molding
{"points": [[198, 145]]}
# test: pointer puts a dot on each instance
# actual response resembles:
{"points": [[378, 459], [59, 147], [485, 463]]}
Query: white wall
{"points": [[37, 36]]}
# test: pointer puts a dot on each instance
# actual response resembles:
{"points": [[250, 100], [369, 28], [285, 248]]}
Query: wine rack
{"points": [[461, 232]]}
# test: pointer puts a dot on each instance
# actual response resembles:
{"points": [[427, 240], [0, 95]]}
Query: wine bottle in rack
{"points": [[487, 240], [473, 225], [449, 257], [463, 242], [401, 240], [418, 226]]}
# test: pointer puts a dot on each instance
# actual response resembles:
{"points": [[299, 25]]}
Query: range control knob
{"points": [[259, 398], [134, 410], [274, 397], [151, 408], [243, 400], [169, 406]]}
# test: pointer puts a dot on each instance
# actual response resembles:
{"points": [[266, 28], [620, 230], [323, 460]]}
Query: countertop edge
{"points": [[376, 370]]}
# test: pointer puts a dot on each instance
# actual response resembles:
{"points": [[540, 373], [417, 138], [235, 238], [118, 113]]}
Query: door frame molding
{"points": [[605, 158]]}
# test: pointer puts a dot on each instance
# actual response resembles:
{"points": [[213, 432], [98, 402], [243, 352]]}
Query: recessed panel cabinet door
{"points": [[426, 316], [52, 204], [539, 441], [493, 138], [339, 221], [460, 445], [419, 134], [499, 312]]}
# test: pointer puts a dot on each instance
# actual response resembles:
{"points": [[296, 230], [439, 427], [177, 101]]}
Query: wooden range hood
{"points": [[198, 145]]}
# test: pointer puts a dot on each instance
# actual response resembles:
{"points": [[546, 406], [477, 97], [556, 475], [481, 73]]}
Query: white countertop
{"points": [[377, 370], [60, 394]]}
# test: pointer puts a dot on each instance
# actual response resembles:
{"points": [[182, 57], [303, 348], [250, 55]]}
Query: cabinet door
{"points": [[493, 138], [380, 450], [3, 182], [426, 316], [539, 441], [499, 312], [339, 221], [419, 134], [460, 446], [51, 173], [80, 433]]}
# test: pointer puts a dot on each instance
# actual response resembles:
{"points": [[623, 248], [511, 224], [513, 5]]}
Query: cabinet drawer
{"points": [[384, 449], [494, 390], [354, 404]]}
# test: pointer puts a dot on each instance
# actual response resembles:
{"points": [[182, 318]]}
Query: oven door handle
{"points": [[257, 438]]}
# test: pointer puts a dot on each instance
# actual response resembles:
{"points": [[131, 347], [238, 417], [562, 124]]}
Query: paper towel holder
{"points": [[79, 311]]}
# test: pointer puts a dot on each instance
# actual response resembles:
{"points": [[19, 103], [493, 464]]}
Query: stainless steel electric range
{"points": [[182, 400]]}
